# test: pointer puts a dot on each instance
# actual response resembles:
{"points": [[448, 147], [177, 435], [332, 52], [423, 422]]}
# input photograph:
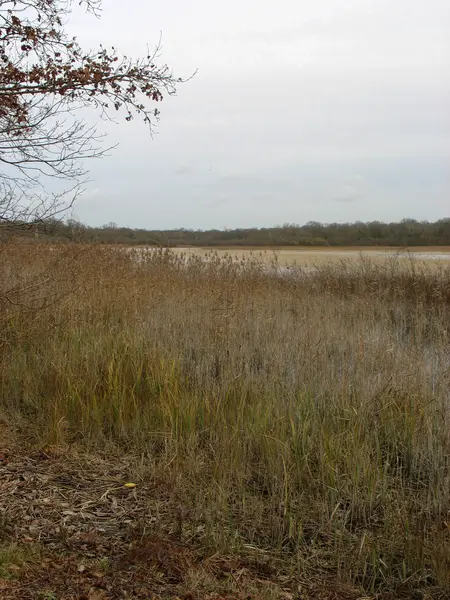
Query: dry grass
{"points": [[303, 419], [307, 256]]}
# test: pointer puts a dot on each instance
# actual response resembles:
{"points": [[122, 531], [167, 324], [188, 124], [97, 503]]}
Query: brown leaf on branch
{"points": [[45, 79]]}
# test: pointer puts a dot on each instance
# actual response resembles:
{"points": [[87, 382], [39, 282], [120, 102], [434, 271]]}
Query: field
{"points": [[175, 426]]}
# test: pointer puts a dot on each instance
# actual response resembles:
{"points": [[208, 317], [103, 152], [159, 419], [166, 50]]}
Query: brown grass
{"points": [[330, 249], [306, 256], [304, 418]]}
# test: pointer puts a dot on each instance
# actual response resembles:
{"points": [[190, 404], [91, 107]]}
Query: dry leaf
{"points": [[97, 594]]}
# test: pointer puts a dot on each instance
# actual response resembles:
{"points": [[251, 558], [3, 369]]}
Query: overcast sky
{"points": [[332, 110]]}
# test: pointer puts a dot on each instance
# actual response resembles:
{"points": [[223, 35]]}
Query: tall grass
{"points": [[306, 415]]}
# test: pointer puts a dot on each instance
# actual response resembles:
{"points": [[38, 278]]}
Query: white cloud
{"points": [[90, 193], [352, 190], [348, 194]]}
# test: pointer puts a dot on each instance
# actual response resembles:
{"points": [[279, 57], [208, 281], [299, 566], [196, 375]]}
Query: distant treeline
{"points": [[407, 232]]}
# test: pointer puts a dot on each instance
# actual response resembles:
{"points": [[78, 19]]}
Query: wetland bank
{"points": [[298, 423]]}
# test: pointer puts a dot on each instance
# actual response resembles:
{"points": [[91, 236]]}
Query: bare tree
{"points": [[45, 79]]}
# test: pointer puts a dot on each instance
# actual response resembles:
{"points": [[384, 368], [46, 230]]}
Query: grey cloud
{"points": [[238, 179], [290, 103], [220, 201], [183, 170], [348, 194], [245, 181]]}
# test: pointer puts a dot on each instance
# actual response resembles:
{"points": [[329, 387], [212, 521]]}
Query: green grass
{"points": [[307, 417], [14, 558]]}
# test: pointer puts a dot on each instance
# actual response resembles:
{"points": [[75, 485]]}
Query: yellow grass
{"points": [[306, 417]]}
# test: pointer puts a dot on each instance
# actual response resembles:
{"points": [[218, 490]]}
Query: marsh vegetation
{"points": [[302, 418]]}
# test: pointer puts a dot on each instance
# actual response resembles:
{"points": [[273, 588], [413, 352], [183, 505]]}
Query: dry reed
{"points": [[302, 414]]}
